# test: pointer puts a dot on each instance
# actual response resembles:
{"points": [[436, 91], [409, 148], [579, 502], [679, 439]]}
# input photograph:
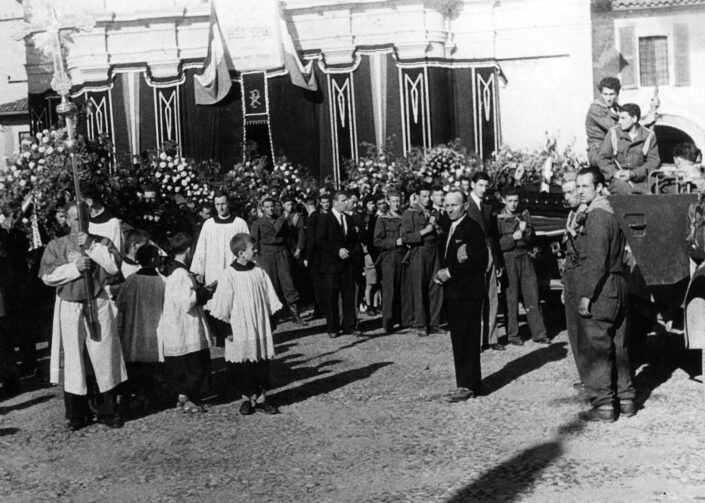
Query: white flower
{"points": [[33, 179], [41, 149], [162, 156], [45, 139], [25, 155], [156, 218], [181, 168], [23, 183], [39, 136], [169, 187], [162, 165], [184, 183], [59, 149], [158, 174], [31, 164], [34, 146], [50, 150], [2, 186], [177, 189]]}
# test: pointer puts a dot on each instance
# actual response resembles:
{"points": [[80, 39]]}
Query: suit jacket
{"points": [[488, 225], [330, 239], [467, 278], [310, 246]]}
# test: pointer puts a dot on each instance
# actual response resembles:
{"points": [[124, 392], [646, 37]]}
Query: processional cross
{"points": [[47, 38]]}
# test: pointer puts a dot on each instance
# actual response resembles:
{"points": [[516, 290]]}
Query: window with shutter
{"points": [[681, 52], [627, 63], [653, 61]]}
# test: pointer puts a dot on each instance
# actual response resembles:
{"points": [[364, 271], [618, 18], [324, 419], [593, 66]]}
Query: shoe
{"points": [[114, 421], [420, 332], [371, 311], [192, 408], [459, 395], [542, 340], [333, 335], [267, 408], [355, 333], [580, 386], [294, 310], [604, 414], [77, 424], [498, 347], [626, 408], [435, 331], [516, 341], [246, 408]]}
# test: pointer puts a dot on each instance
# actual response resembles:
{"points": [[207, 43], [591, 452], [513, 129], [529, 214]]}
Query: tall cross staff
{"points": [[61, 83]]}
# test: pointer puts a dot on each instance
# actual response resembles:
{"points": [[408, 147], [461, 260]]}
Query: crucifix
{"points": [[47, 37]]}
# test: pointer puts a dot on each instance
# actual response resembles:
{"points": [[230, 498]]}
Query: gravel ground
{"points": [[362, 421]]}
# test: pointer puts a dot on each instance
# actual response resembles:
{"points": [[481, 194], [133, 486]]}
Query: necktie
{"points": [[450, 235], [343, 225]]}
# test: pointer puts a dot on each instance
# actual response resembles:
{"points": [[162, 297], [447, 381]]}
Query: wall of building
{"points": [[682, 106], [539, 45]]}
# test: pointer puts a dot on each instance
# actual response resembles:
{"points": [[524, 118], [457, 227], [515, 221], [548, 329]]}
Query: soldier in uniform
{"points": [[576, 215], [628, 153], [602, 305], [269, 233], [387, 238], [419, 230]]}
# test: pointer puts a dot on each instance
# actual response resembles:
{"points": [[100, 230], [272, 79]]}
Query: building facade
{"points": [[417, 72], [14, 121], [656, 46]]}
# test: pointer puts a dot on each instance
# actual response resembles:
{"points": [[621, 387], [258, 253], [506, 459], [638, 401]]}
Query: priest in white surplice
{"points": [[213, 253], [92, 368]]}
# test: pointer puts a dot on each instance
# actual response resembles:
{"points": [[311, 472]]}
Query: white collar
{"points": [[338, 215], [476, 198]]}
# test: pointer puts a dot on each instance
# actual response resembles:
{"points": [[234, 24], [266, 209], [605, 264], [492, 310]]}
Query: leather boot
{"points": [[293, 308]]}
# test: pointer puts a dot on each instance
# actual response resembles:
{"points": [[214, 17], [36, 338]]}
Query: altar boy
{"points": [[246, 299], [183, 334]]}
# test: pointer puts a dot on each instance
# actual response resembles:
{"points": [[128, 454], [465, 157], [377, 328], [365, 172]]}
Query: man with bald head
{"points": [[464, 257]]}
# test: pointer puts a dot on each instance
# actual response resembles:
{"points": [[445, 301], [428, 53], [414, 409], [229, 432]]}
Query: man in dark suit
{"points": [[481, 213], [339, 255], [311, 254], [464, 258]]}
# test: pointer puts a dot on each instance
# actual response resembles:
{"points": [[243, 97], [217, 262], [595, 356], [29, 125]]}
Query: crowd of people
{"points": [[131, 318]]}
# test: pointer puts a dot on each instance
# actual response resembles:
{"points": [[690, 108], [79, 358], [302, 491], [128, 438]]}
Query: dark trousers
{"points": [[521, 274], [391, 287], [275, 261], [572, 318], [220, 329], [426, 296], [317, 285], [339, 285], [464, 317], [251, 378], [602, 342], [103, 404], [405, 298], [188, 373]]}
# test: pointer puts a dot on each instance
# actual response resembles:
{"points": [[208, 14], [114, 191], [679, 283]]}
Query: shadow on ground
{"points": [[512, 479], [325, 384], [524, 365], [26, 404]]}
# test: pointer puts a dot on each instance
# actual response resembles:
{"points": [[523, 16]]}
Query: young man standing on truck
{"points": [[602, 292]]}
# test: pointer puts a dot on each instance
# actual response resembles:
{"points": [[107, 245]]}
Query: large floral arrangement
{"points": [[41, 170], [179, 176], [249, 181], [286, 179], [539, 169]]}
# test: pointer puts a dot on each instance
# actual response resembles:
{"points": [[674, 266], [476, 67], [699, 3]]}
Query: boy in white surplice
{"points": [[245, 297]]}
